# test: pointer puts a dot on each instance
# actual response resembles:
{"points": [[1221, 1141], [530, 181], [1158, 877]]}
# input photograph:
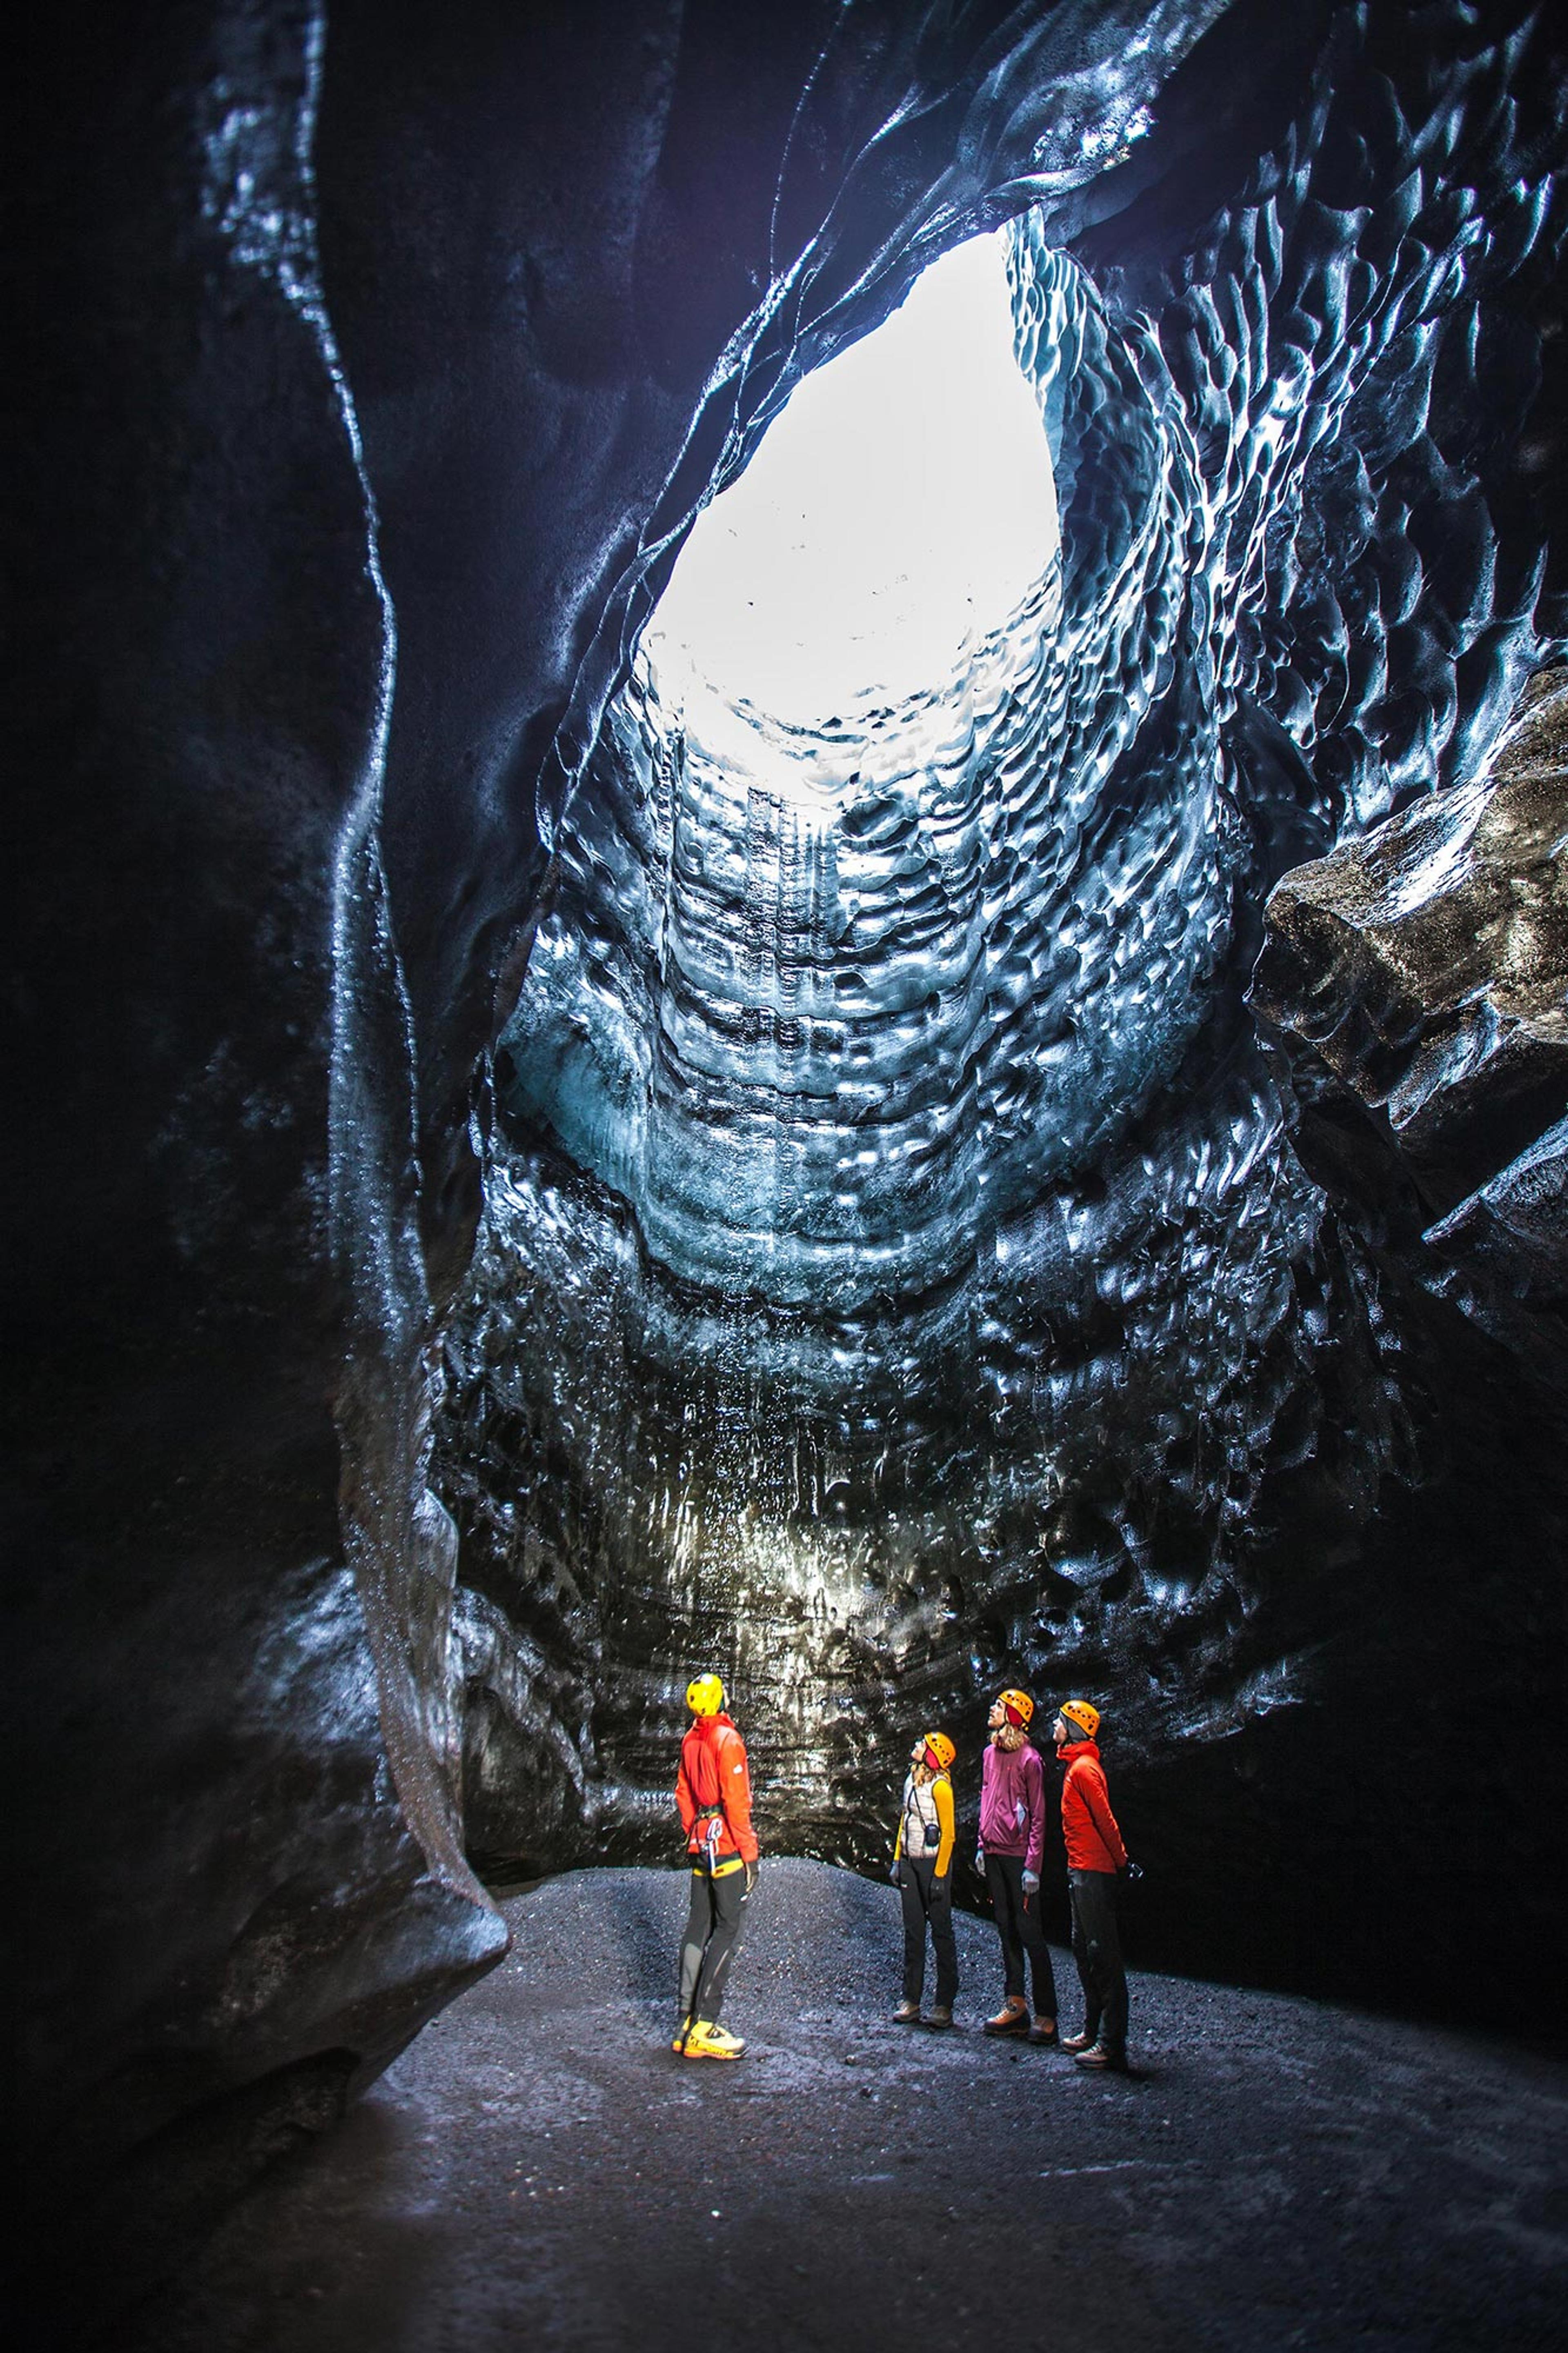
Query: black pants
{"points": [[712, 1941], [1097, 1949], [1019, 1925], [928, 1902]]}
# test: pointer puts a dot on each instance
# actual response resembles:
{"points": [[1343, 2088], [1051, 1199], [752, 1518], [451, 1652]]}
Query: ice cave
{"points": [[793, 794]]}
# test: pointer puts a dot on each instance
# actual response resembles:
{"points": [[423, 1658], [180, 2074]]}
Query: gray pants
{"points": [[711, 1940], [1097, 1949]]}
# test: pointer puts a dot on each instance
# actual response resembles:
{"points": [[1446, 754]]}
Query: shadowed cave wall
{"points": [[378, 365]]}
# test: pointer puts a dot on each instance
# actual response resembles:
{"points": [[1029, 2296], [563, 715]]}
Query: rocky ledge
{"points": [[1417, 979]]}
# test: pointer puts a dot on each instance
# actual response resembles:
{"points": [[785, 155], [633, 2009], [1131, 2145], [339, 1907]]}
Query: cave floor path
{"points": [[537, 2170]]}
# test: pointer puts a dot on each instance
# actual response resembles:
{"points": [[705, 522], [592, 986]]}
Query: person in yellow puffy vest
{"points": [[922, 1872]]}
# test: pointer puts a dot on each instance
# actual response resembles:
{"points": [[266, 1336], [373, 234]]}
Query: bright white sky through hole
{"points": [[902, 502]]}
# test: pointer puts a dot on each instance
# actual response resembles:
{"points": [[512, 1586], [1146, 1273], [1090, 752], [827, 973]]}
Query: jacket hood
{"points": [[705, 1726], [1071, 1750]]}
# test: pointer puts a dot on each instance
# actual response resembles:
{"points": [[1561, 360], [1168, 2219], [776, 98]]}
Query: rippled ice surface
{"points": [[896, 1270], [822, 1004]]}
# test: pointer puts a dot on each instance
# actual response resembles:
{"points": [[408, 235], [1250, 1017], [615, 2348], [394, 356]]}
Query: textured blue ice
{"points": [[823, 1005], [949, 1302]]}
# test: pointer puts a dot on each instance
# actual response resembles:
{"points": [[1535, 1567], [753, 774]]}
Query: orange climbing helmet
{"points": [[1080, 1715], [1018, 1707], [939, 1750]]}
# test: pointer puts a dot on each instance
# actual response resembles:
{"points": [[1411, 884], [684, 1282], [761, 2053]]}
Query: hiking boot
{"points": [[908, 2013], [1044, 2033], [681, 2032], [1099, 2055], [1077, 2042], [1012, 2018], [941, 2016], [708, 2040]]}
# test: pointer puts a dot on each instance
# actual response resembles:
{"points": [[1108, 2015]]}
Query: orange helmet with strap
{"points": [[1083, 1718], [1018, 1707], [939, 1749]]}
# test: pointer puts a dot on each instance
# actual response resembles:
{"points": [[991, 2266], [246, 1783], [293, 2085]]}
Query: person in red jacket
{"points": [[1096, 1860], [713, 1793]]}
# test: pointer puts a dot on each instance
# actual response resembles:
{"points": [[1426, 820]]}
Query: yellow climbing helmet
{"points": [[705, 1696], [1079, 1712], [940, 1751], [1020, 1706]]}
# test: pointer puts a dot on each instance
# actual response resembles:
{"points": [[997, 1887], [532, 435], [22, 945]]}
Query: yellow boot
{"points": [[708, 2040]]}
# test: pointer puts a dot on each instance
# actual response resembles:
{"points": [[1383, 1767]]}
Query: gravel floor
{"points": [[539, 2171]]}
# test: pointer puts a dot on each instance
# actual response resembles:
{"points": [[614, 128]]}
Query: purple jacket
{"points": [[1012, 1803]]}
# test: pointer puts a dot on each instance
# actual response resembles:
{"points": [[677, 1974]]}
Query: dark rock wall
{"points": [[221, 1892], [1420, 973], [1415, 983], [377, 361]]}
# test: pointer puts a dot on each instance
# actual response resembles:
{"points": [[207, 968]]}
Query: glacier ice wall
{"points": [[374, 363], [899, 1271], [351, 330], [826, 1050]]}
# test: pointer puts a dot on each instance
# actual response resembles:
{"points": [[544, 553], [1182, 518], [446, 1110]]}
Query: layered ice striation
{"points": [[823, 1003], [897, 1272]]}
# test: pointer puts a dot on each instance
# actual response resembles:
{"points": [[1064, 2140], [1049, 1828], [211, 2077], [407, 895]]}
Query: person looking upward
{"points": [[922, 1873], [1012, 1844], [713, 1796], [1097, 1860]]}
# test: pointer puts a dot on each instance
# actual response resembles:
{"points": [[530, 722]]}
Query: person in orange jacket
{"points": [[713, 1793], [1096, 1859]]}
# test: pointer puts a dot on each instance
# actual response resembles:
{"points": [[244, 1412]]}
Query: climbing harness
{"points": [[706, 1851]]}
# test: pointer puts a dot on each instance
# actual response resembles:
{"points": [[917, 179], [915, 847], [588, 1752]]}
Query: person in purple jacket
{"points": [[1012, 1844]]}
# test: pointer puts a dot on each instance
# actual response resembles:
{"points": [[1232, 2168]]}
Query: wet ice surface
{"points": [[896, 1276], [538, 2169]]}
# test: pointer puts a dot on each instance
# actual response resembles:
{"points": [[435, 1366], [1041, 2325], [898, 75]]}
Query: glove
{"points": [[750, 1877], [1031, 1882]]}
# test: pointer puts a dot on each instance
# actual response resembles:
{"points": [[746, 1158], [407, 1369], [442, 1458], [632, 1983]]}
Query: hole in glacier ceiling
{"points": [[762, 1038], [899, 509], [828, 1005]]}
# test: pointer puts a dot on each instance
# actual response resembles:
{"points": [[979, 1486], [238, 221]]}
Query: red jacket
{"points": [[714, 1773], [1088, 1826]]}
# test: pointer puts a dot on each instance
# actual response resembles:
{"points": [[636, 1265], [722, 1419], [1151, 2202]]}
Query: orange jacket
{"points": [[1088, 1826], [714, 1784]]}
